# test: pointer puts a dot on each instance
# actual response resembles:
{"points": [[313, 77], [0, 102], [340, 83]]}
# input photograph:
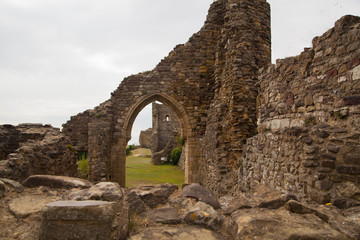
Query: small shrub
{"points": [[180, 141], [71, 147], [83, 167], [175, 155], [128, 150]]}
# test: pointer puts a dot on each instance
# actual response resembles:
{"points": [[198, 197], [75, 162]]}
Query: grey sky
{"points": [[61, 57]]}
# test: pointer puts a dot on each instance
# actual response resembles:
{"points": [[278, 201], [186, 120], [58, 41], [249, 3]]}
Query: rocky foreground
{"points": [[49, 207]]}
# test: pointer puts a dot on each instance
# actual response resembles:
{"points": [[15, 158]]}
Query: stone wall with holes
{"points": [[309, 118]]}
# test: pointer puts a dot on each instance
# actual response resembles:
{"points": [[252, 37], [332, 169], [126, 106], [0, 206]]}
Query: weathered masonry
{"points": [[209, 83], [293, 126], [309, 120]]}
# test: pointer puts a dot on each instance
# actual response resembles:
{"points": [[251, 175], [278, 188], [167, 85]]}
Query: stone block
{"points": [[56, 182], [322, 134], [77, 220], [352, 100], [333, 148], [345, 169], [352, 158], [310, 163], [278, 124], [323, 185], [297, 123], [307, 140], [163, 215], [328, 164], [328, 157], [308, 100], [353, 63], [331, 73]]}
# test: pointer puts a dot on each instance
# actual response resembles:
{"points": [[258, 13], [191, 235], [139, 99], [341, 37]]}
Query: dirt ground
{"points": [[20, 213]]}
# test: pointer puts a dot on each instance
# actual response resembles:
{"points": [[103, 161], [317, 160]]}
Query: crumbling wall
{"points": [[308, 118], [164, 132], [243, 47], [165, 127], [145, 138], [10, 139], [77, 128], [209, 83], [41, 150]]}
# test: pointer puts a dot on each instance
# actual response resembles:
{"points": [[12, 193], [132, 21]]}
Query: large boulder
{"points": [[237, 203], [163, 215], [261, 223], [105, 191], [152, 196], [204, 215], [265, 197], [13, 184], [56, 182], [200, 194]]}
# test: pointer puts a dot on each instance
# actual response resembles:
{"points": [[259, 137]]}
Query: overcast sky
{"points": [[62, 57]]}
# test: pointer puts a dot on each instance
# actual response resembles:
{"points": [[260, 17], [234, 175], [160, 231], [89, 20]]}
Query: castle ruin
{"points": [[293, 125]]}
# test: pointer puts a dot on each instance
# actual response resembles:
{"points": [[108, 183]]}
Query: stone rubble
{"points": [[46, 213]]}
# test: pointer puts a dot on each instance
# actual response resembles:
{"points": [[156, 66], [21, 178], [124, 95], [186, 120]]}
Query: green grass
{"points": [[140, 171]]}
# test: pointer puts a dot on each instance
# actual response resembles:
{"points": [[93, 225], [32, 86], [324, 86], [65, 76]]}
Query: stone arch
{"points": [[118, 164], [161, 97]]}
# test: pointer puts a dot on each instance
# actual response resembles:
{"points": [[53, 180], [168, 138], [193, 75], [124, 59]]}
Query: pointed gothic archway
{"points": [[118, 164]]}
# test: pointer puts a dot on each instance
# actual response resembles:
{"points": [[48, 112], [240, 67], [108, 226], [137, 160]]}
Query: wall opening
{"points": [[154, 165], [192, 143]]}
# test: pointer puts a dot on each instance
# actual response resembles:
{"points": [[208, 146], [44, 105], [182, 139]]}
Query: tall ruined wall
{"points": [[243, 47], [77, 129], [309, 118], [165, 127], [145, 138]]}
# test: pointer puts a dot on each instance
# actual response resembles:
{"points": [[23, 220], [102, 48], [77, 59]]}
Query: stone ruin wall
{"points": [[244, 47], [29, 149], [77, 128], [145, 138], [162, 137], [209, 84], [298, 119], [164, 132], [309, 118]]}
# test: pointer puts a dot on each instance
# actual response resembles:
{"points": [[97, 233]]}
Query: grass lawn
{"points": [[140, 171]]}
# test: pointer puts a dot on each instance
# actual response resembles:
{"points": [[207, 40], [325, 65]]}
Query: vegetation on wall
{"points": [[83, 165], [176, 152]]}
